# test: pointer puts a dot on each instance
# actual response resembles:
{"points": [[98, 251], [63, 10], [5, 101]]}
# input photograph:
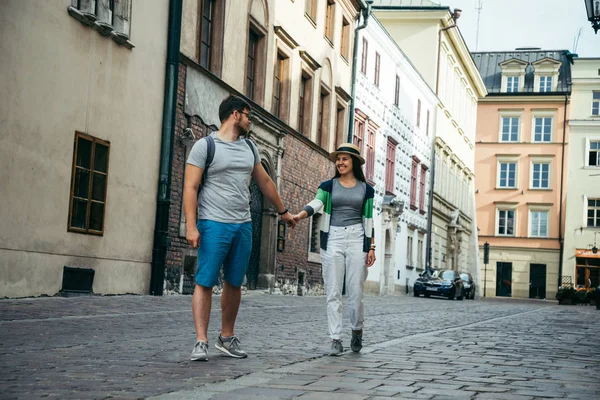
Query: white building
{"points": [[80, 115], [394, 126], [426, 33], [582, 220]]}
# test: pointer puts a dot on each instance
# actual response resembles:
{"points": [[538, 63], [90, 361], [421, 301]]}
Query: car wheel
{"points": [[452, 294], [415, 293]]}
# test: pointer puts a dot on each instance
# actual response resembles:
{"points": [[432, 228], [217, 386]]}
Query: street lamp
{"points": [[593, 13]]}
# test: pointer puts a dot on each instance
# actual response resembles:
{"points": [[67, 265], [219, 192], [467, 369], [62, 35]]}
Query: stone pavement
{"points": [[129, 347]]}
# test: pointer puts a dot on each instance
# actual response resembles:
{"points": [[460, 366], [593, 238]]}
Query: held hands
{"points": [[370, 257], [192, 236], [289, 219]]}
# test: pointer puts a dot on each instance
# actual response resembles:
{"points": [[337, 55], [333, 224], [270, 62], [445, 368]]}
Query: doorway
{"points": [[537, 281], [256, 211], [504, 279]]}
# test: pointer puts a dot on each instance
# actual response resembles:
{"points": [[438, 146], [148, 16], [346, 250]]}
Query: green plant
{"points": [[581, 296]]}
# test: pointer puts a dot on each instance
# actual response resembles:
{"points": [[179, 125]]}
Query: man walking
{"points": [[222, 230]]}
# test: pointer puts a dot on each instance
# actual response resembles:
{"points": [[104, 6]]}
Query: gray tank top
{"points": [[347, 203]]}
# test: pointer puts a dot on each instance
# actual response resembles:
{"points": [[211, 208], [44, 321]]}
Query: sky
{"points": [[508, 24]]}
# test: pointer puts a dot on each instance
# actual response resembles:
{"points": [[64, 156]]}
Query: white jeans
{"points": [[344, 254]]}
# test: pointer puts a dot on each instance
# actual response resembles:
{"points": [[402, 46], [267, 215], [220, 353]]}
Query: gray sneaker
{"points": [[231, 347], [200, 352], [336, 348], [356, 341]]}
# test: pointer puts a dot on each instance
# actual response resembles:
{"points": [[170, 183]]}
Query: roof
{"points": [[489, 62], [408, 4]]}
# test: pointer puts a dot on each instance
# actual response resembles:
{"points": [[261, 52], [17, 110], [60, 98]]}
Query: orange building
{"points": [[520, 156]]}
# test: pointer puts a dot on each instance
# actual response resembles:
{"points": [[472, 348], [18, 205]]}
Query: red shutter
{"points": [[390, 166]]}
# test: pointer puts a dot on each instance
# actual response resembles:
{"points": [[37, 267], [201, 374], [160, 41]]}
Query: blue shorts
{"points": [[223, 244]]}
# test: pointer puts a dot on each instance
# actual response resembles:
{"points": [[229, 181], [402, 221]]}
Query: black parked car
{"points": [[468, 285], [446, 283]]}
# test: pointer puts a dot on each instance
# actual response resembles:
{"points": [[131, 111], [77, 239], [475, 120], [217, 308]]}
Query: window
{"points": [[206, 31], [409, 249], [422, 189], [377, 66], [545, 84], [538, 223], [111, 18], [360, 122], [427, 126], [278, 75], [305, 104], [594, 154], [345, 45], [540, 175], [507, 175], [329, 19], [370, 153], [420, 263], [255, 63], [323, 119], [506, 223], [596, 103], [512, 84], [365, 51], [593, 213], [419, 113], [510, 129], [340, 118], [251, 64], [413, 183], [310, 9], [390, 166], [88, 184], [397, 92], [542, 129]]}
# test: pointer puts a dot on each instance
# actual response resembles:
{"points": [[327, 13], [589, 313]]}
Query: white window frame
{"points": [[507, 160], [538, 209], [544, 82], [500, 208], [586, 208], [542, 115], [510, 83], [501, 125], [540, 160], [596, 103], [588, 145]]}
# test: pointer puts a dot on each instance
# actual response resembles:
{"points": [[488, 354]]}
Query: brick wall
{"points": [[303, 168]]}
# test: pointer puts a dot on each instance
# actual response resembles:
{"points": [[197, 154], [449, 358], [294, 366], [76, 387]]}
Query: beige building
{"points": [[581, 265], [80, 113], [427, 34], [522, 138]]}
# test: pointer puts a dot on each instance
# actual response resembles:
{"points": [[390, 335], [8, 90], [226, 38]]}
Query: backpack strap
{"points": [[210, 155], [249, 143]]}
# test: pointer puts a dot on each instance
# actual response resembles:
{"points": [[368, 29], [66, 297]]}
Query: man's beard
{"points": [[240, 130]]}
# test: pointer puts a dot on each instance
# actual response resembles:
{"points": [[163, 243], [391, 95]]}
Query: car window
{"points": [[465, 277], [447, 275]]}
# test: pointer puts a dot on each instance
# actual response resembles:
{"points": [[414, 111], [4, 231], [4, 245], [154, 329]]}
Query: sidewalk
{"points": [[130, 347]]}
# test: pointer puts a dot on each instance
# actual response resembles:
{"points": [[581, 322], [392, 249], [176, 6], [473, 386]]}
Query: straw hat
{"points": [[347, 148]]}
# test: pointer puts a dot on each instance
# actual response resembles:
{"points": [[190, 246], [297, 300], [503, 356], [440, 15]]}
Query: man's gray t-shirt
{"points": [[225, 196], [347, 203]]}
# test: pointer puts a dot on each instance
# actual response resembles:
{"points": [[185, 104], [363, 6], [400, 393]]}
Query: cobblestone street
{"points": [[131, 347]]}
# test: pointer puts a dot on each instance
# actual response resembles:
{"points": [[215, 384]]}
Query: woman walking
{"points": [[346, 241]]}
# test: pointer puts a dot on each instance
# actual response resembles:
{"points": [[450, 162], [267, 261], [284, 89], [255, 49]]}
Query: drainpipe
{"points": [[366, 11], [562, 175], [161, 239]]}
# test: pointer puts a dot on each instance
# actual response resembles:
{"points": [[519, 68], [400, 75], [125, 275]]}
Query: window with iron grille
{"points": [[88, 184]]}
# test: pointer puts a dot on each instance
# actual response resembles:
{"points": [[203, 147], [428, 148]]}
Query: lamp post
{"points": [[593, 12]]}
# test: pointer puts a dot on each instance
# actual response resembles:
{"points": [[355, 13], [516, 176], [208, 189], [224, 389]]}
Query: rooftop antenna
{"points": [[478, 7], [576, 41]]}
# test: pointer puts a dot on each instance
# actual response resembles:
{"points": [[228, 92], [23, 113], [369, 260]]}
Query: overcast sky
{"points": [[508, 24]]}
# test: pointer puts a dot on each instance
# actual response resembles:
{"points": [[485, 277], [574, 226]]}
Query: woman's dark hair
{"points": [[358, 172], [230, 104]]}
